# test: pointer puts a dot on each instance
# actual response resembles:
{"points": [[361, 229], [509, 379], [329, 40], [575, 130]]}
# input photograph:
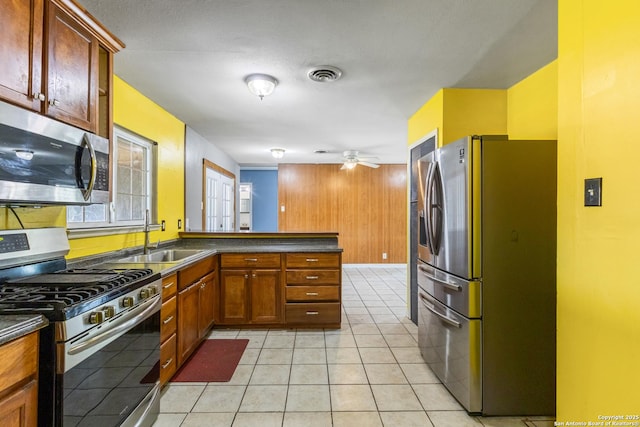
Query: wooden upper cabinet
{"points": [[72, 71], [56, 59], [21, 52]]}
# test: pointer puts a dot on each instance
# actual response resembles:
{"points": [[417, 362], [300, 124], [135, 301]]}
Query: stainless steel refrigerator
{"points": [[487, 272]]}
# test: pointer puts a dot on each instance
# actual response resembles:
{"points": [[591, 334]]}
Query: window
{"points": [[133, 161]]}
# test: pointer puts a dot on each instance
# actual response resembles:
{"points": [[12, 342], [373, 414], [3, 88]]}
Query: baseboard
{"points": [[374, 265]]}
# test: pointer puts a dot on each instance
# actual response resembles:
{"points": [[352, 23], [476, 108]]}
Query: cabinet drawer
{"points": [[168, 318], [19, 360], [313, 293], [313, 260], [312, 277], [313, 313], [168, 359], [194, 272], [250, 260], [169, 286]]}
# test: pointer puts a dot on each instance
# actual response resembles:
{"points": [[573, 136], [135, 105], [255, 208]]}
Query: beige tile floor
{"points": [[368, 373]]}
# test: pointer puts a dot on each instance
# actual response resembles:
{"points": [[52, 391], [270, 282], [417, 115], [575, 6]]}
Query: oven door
{"points": [[116, 382], [451, 346]]}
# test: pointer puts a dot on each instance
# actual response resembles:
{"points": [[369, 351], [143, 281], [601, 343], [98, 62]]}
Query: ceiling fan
{"points": [[351, 160]]}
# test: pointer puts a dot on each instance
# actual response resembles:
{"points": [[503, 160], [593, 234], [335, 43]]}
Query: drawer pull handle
{"points": [[251, 259], [167, 320], [167, 363], [312, 277], [312, 259], [312, 294], [168, 285], [312, 313]]}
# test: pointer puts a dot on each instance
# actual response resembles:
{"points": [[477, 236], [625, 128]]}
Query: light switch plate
{"points": [[593, 192]]}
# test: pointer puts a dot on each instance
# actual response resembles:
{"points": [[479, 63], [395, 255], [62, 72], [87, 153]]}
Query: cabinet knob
{"points": [[167, 363], [246, 276], [312, 277], [312, 294], [167, 320], [54, 102], [253, 275], [39, 96], [312, 259], [312, 313]]}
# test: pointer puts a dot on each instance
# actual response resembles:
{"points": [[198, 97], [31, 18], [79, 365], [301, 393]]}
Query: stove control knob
{"points": [[96, 318], [127, 301], [144, 293], [152, 290], [109, 311]]}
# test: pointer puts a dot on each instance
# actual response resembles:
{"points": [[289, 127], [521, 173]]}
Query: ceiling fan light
{"points": [[277, 153], [261, 85], [350, 164]]}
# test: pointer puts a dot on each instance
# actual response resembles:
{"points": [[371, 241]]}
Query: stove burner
{"points": [[71, 294]]}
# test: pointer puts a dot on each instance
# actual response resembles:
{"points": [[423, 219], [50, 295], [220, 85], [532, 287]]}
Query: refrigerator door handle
{"points": [[438, 206], [435, 209], [425, 209], [442, 317], [448, 285]]}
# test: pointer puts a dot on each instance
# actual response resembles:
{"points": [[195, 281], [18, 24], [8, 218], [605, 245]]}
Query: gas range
{"points": [[66, 294], [99, 356]]}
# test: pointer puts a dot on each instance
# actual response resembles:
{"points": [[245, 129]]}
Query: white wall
{"points": [[196, 149]]}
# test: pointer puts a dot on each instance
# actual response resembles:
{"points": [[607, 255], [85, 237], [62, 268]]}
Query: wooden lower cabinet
{"points": [[250, 297], [168, 327], [195, 315], [313, 289], [19, 382]]}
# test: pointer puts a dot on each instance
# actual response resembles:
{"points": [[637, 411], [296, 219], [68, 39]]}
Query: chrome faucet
{"points": [[147, 246]]}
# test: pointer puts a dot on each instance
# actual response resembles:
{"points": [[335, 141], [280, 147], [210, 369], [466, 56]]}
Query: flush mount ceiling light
{"points": [[24, 154], [277, 153], [261, 85]]}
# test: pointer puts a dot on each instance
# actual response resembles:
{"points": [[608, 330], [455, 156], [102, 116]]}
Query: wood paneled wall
{"points": [[367, 207]]}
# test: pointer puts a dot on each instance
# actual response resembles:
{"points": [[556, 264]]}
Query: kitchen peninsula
{"points": [[286, 279]]}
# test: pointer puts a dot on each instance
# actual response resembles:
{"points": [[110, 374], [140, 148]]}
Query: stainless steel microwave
{"points": [[44, 161]]}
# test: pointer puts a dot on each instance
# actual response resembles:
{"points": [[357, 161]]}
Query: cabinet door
{"points": [[266, 306], [207, 301], [21, 52], [188, 332], [72, 71], [233, 296], [20, 408]]}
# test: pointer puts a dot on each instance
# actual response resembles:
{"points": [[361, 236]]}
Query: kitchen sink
{"points": [[168, 255]]}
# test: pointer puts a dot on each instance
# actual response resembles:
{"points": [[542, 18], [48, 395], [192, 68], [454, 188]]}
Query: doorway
{"points": [[219, 198]]}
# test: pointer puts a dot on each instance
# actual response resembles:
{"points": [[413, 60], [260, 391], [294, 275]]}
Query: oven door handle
{"points": [[440, 315], [128, 321]]}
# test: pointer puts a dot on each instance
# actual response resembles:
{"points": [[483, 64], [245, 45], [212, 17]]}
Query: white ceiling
{"points": [[191, 57]]}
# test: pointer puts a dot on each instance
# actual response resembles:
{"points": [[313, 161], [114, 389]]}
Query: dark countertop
{"points": [[213, 243], [14, 326]]}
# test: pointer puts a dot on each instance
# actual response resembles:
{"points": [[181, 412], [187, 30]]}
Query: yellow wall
{"points": [[135, 112], [428, 118], [598, 285], [474, 112], [456, 113], [532, 105]]}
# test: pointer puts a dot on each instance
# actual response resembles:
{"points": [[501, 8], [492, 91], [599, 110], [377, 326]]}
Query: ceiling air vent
{"points": [[324, 74]]}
